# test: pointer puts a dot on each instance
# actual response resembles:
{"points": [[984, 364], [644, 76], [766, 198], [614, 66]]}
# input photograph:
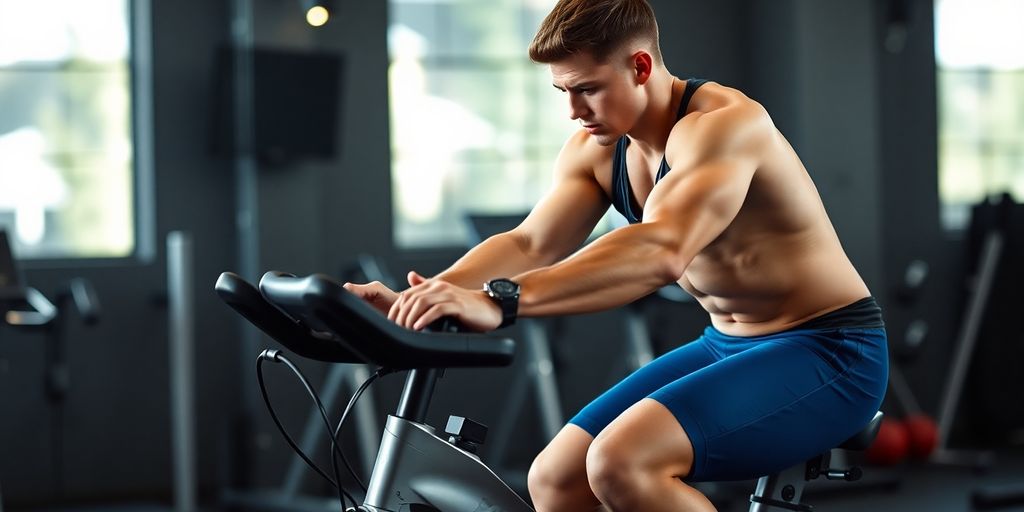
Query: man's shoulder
{"points": [[583, 152], [730, 122], [724, 108]]}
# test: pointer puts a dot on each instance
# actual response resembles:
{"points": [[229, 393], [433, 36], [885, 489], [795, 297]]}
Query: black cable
{"points": [[380, 372], [336, 451], [277, 357]]}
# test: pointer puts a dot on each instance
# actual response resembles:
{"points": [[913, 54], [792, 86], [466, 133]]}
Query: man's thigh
{"points": [[768, 407], [667, 368]]}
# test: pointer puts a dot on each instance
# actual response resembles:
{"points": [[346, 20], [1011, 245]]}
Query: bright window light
{"points": [[979, 51]]}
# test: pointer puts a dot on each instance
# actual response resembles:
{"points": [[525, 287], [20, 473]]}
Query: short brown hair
{"points": [[596, 26]]}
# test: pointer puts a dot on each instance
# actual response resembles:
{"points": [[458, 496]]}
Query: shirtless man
{"points": [[795, 359]]}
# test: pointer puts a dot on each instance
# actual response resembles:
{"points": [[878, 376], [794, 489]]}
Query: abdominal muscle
{"points": [[770, 283]]}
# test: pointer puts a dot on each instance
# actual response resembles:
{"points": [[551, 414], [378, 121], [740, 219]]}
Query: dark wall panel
{"points": [[702, 39], [115, 429], [907, 86]]}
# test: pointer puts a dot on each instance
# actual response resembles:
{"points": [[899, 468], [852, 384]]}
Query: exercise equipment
{"points": [[921, 430], [918, 428], [784, 490], [891, 445], [922, 434], [22, 306], [991, 252], [992, 407], [181, 370], [996, 222], [26, 308], [340, 378], [417, 469]]}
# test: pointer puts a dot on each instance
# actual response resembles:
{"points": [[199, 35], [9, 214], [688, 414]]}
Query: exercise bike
{"points": [[417, 469]]}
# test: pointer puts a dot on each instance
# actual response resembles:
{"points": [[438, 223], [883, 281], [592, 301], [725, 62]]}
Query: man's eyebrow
{"points": [[577, 87]]}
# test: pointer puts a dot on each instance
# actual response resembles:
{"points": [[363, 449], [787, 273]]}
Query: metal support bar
{"points": [[781, 491], [968, 337], [182, 368], [419, 387]]}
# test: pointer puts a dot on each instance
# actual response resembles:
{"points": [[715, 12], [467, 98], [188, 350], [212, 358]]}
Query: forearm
{"points": [[502, 255], [616, 269]]}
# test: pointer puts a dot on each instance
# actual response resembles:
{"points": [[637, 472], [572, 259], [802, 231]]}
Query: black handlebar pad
{"points": [[323, 304], [247, 301]]}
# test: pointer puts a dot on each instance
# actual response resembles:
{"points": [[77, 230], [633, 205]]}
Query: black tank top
{"points": [[622, 192]]}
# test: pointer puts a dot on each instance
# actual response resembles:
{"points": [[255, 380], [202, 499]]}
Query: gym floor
{"points": [[908, 488]]}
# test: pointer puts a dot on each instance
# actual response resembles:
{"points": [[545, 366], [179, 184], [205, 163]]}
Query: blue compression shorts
{"points": [[752, 406]]}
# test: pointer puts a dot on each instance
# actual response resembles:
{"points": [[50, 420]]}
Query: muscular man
{"points": [[795, 359]]}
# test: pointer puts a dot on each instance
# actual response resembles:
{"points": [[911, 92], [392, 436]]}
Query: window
{"points": [[980, 54], [475, 125], [66, 145]]}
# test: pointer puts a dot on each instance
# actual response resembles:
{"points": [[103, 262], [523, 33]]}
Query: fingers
{"points": [[417, 305], [367, 291], [396, 308], [413, 303], [380, 296], [433, 313], [400, 309], [414, 278]]}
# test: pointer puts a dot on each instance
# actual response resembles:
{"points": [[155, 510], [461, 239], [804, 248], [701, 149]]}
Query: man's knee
{"points": [[541, 477], [550, 478], [621, 463], [611, 470], [546, 472]]}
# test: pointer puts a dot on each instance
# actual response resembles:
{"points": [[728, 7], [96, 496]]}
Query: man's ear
{"points": [[643, 66]]}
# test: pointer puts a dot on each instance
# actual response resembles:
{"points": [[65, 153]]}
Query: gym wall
{"points": [[116, 434]]}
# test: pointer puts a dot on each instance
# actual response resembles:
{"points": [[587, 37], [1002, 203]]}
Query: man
{"points": [[794, 361]]}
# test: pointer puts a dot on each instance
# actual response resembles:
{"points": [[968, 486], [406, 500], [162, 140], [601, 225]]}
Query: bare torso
{"points": [[779, 262]]}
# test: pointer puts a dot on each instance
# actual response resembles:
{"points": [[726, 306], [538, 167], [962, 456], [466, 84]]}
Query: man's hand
{"points": [[427, 300], [379, 296]]}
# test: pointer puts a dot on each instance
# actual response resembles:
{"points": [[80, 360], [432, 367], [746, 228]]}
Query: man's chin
{"points": [[604, 139]]}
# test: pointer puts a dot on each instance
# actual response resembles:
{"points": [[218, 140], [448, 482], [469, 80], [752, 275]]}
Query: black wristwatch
{"points": [[506, 293]]}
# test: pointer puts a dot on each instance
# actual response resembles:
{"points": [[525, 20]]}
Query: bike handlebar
{"points": [[316, 317]]}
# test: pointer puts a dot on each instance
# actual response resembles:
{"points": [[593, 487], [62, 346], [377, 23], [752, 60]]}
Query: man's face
{"points": [[602, 97]]}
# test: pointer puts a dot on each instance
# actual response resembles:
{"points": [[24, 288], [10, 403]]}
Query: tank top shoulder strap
{"points": [[692, 84], [622, 192]]}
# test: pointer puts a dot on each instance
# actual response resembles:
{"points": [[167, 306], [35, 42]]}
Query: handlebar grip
{"points": [[445, 324]]}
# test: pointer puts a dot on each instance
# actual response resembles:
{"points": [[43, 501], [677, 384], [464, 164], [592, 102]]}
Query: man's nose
{"points": [[577, 108]]}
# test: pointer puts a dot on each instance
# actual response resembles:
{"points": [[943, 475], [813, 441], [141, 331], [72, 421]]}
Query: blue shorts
{"points": [[752, 406]]}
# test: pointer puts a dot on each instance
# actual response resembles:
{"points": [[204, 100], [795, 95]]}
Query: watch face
{"points": [[504, 287]]}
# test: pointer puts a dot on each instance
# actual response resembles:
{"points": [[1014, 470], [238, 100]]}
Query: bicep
{"points": [[713, 164], [699, 203]]}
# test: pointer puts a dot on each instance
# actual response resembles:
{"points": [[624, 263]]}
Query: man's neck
{"points": [[650, 133]]}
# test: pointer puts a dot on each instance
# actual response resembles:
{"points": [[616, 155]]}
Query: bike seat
{"points": [[324, 309], [863, 439]]}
